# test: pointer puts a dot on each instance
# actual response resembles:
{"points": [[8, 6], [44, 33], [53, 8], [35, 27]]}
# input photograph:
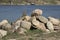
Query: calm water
{"points": [[13, 12]]}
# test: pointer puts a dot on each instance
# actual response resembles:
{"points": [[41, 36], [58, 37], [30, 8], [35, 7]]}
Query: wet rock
{"points": [[50, 26], [26, 25], [38, 25], [36, 12], [54, 20], [42, 19], [3, 33]]}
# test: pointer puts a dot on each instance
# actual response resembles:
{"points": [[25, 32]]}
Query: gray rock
{"points": [[26, 25], [54, 20], [42, 19], [50, 26], [3, 33]]}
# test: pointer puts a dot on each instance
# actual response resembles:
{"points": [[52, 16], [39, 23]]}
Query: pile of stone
{"points": [[25, 23]]}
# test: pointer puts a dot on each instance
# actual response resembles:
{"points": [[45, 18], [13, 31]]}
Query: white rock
{"points": [[3, 22], [50, 26], [3, 33]]}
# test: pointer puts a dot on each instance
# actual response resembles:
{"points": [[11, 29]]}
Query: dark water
{"points": [[13, 12]]}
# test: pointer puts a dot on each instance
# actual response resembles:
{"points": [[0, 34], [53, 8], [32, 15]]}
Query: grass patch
{"points": [[31, 35]]}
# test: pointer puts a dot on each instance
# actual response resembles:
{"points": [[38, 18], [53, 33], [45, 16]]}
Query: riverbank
{"points": [[52, 2]]}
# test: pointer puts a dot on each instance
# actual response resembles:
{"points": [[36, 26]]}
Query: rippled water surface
{"points": [[13, 12]]}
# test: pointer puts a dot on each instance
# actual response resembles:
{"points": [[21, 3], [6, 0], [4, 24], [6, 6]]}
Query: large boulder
{"points": [[26, 25], [54, 20], [50, 26], [5, 25], [36, 12], [3, 33], [42, 19], [38, 25]]}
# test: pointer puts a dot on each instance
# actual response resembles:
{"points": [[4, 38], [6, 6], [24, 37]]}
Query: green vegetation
{"points": [[33, 35], [39, 2]]}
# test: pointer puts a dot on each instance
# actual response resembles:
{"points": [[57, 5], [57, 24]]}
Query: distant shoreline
{"points": [[26, 4]]}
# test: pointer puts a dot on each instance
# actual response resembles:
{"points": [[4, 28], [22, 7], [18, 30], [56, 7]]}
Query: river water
{"points": [[14, 12]]}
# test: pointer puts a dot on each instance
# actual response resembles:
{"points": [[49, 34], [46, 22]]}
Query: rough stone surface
{"points": [[26, 25], [54, 20], [38, 25], [21, 30], [36, 12], [27, 18], [35, 22], [5, 25], [50, 26], [3, 22], [3, 33], [56, 28], [17, 24], [42, 19]]}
